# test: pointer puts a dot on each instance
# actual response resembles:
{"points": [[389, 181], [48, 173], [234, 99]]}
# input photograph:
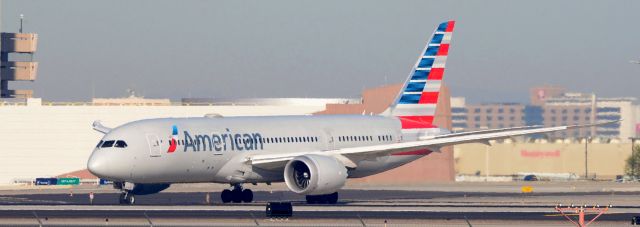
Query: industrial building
{"points": [[508, 158], [552, 106]]}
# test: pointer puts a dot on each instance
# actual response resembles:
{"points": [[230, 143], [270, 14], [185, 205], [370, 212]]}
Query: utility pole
{"points": [[586, 153], [633, 152], [21, 19]]}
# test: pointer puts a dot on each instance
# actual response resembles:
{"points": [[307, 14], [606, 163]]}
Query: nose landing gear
{"points": [[237, 195], [126, 197]]}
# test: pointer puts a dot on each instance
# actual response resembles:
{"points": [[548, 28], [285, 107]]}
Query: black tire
{"points": [[236, 195], [247, 196], [226, 196], [332, 198], [312, 199], [122, 199], [131, 199]]}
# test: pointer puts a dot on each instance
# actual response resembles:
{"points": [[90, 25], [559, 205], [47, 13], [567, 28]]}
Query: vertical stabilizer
{"points": [[416, 102]]}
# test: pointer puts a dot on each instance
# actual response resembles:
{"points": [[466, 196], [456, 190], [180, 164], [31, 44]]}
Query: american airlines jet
{"points": [[313, 155]]}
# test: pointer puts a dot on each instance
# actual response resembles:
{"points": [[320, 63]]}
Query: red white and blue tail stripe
{"points": [[415, 106]]}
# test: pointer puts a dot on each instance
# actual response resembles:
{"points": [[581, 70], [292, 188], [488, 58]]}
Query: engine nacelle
{"points": [[146, 189], [315, 174]]}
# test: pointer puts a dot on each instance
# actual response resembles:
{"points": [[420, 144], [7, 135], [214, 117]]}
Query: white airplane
{"points": [[313, 155]]}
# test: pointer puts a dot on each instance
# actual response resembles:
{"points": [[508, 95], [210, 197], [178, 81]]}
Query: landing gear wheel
{"points": [[131, 199], [122, 198], [247, 196], [127, 198], [226, 196], [312, 199], [323, 199], [236, 195], [332, 198]]}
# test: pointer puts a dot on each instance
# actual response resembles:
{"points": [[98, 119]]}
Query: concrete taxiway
{"points": [[435, 205]]}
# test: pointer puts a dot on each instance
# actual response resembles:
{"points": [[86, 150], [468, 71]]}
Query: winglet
{"points": [[97, 125]]}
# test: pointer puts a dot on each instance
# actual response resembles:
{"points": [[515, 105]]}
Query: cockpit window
{"points": [[108, 143], [99, 143], [121, 144]]}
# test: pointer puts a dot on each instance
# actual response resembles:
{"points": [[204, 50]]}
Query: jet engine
{"points": [[146, 189], [315, 174]]}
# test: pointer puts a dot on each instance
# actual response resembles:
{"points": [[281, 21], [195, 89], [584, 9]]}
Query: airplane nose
{"points": [[97, 166]]}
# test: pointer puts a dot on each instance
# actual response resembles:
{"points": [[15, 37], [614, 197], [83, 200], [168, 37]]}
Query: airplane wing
{"points": [[352, 155]]}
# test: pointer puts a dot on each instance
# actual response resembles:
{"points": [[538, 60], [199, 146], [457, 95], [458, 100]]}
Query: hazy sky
{"points": [[174, 49]]}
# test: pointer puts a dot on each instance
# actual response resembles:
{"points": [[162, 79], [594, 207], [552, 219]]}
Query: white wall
{"points": [[41, 141]]}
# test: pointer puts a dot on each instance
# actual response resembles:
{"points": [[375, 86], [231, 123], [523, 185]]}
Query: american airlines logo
{"points": [[227, 141], [174, 135]]}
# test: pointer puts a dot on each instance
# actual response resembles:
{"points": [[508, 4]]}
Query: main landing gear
{"points": [[323, 199], [237, 195]]}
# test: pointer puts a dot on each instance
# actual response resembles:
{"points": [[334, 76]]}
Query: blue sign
{"points": [[46, 181]]}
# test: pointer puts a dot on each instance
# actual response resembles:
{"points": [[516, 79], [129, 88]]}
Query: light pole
{"points": [[633, 152], [586, 165]]}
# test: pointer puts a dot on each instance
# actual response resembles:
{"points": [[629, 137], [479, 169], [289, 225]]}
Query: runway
{"points": [[357, 206]]}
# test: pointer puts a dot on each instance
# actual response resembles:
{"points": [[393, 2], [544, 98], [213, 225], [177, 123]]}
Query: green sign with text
{"points": [[69, 181]]}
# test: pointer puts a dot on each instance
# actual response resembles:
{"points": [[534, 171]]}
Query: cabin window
{"points": [[120, 144], [108, 143]]}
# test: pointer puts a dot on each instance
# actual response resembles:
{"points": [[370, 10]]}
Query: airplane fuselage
{"points": [[214, 149]]}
